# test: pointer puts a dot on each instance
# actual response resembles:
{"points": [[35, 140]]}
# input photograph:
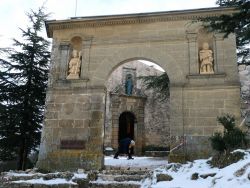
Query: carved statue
{"points": [[129, 85], [206, 59], [74, 65]]}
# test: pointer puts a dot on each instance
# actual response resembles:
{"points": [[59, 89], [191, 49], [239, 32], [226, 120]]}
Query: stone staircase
{"points": [[120, 178], [24, 179], [111, 177]]}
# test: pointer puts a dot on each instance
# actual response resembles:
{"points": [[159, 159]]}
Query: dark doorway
{"points": [[126, 125]]}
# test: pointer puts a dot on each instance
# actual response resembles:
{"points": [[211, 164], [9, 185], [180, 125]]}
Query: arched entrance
{"points": [[126, 125], [133, 111]]}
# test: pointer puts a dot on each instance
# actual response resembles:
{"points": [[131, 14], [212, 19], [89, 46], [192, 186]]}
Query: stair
{"points": [[117, 178], [37, 180], [112, 177]]}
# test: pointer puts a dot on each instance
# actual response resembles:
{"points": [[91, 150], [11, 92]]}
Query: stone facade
{"points": [[152, 128], [75, 109]]}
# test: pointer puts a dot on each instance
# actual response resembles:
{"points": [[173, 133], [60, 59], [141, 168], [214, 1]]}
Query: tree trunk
{"points": [[22, 155]]}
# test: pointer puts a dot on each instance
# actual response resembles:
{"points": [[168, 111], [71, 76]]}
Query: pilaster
{"points": [[63, 61], [193, 53], [86, 47]]}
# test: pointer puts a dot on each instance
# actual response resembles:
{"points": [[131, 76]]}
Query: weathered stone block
{"points": [[97, 115], [83, 99], [95, 132], [209, 131], [51, 115], [206, 121], [64, 99], [79, 124], [194, 131], [53, 107], [232, 103], [66, 123], [51, 123], [218, 103], [68, 108], [163, 177]]}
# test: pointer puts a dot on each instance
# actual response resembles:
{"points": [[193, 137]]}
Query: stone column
{"points": [[63, 62], [193, 53], [219, 53], [87, 42], [177, 129]]}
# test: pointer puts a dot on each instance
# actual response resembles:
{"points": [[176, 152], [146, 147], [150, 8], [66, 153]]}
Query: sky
{"points": [[13, 12]]}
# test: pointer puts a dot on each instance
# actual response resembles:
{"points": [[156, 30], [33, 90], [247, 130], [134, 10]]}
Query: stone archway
{"points": [[73, 131], [152, 115]]}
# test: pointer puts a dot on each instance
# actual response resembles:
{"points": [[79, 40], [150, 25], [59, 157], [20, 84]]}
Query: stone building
{"points": [[144, 117], [201, 67]]}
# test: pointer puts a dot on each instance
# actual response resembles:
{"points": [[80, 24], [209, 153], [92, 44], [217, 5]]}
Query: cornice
{"points": [[99, 21]]}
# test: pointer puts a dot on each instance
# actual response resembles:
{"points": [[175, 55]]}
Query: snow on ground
{"points": [[33, 178], [46, 182], [143, 162], [18, 174], [236, 175], [224, 178], [80, 176]]}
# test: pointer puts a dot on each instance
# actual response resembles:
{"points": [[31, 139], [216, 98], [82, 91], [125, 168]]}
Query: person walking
{"points": [[126, 146]]}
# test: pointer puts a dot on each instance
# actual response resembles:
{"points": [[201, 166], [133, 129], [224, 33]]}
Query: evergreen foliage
{"points": [[222, 160], [217, 142], [23, 80], [160, 85], [238, 23], [232, 137]]}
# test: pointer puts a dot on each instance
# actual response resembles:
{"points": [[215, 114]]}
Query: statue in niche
{"points": [[129, 85], [206, 59], [74, 65]]}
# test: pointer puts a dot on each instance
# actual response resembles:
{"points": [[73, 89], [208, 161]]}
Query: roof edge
{"points": [[91, 21]]}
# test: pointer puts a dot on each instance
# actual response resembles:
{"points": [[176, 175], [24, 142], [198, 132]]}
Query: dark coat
{"points": [[124, 145]]}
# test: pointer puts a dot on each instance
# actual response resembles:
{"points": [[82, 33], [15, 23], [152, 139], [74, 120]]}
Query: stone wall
{"points": [[72, 115]]}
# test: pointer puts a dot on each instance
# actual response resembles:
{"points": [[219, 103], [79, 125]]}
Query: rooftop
{"points": [[100, 20]]}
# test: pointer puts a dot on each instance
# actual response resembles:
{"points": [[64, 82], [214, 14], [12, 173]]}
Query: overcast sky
{"points": [[12, 12]]}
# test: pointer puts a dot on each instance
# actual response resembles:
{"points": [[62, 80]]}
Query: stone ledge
{"points": [[129, 96], [73, 80], [205, 76], [157, 153]]}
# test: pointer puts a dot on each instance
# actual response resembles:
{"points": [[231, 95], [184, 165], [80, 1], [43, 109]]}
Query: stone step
{"points": [[107, 167], [5, 177], [125, 172], [121, 178], [114, 184], [27, 185]]}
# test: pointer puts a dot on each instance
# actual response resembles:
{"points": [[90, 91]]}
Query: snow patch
{"points": [[46, 182], [224, 177]]}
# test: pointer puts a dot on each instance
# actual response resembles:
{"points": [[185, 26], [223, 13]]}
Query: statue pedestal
{"points": [[72, 77], [211, 72]]}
